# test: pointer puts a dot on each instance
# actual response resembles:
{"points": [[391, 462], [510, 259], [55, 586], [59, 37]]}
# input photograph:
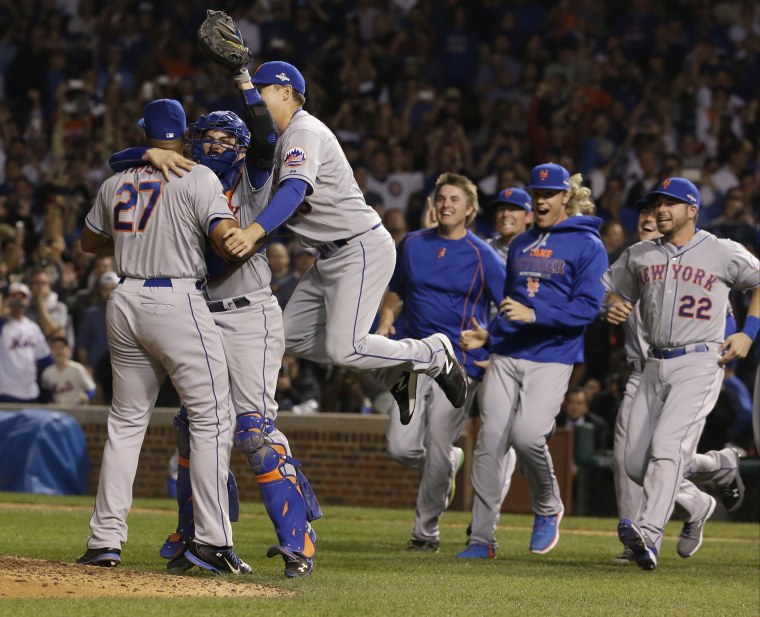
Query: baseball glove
{"points": [[221, 41]]}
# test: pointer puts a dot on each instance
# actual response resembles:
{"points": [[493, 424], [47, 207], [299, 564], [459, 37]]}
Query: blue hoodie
{"points": [[557, 272]]}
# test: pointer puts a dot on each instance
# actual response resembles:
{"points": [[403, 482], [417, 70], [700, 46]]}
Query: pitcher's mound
{"points": [[39, 578]]}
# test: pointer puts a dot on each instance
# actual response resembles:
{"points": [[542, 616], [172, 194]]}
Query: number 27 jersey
{"points": [[682, 292]]}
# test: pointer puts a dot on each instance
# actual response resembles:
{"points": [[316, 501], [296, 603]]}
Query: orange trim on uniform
{"points": [[308, 547], [269, 476], [183, 462], [285, 509]]}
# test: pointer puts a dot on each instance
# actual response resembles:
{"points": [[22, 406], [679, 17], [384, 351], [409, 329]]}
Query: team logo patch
{"points": [[507, 193], [533, 285], [665, 183], [295, 157], [441, 252], [543, 175], [282, 77]]}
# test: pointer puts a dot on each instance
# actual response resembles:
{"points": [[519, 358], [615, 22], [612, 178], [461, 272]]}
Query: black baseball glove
{"points": [[221, 41]]}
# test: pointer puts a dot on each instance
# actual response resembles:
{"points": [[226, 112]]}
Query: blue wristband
{"points": [[751, 327], [251, 96]]}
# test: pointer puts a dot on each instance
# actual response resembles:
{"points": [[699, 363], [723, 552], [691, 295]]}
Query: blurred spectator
{"points": [[395, 222], [92, 337], [299, 385], [303, 258], [284, 280], [45, 309], [68, 382], [23, 349], [575, 412], [90, 294], [613, 238]]}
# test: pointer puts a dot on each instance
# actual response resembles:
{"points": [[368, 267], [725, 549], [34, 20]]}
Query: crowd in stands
{"points": [[627, 93]]}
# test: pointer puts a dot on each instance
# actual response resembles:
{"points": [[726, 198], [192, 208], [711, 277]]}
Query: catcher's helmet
{"points": [[226, 121]]}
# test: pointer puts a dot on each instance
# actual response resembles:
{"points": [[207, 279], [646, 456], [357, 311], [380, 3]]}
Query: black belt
{"points": [[667, 353], [161, 282], [328, 248], [217, 306]]}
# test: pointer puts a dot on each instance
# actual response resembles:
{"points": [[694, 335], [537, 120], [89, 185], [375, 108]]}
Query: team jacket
{"points": [[556, 272], [444, 283]]}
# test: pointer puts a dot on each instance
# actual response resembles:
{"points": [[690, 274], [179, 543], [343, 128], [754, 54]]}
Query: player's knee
{"points": [[635, 470], [404, 455], [182, 432], [339, 352], [250, 431], [265, 460]]}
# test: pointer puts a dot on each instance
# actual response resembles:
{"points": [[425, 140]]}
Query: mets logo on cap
{"points": [[666, 183], [507, 193], [543, 175], [295, 157]]}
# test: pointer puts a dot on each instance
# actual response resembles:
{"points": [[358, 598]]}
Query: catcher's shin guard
{"points": [[283, 500]]}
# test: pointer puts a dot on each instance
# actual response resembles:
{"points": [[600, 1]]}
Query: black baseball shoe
{"points": [[296, 565], [106, 557], [217, 559], [732, 494], [179, 564], [423, 546], [452, 379], [405, 393]]}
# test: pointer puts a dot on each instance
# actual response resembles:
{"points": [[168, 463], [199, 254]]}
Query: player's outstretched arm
{"points": [[738, 344], [390, 308], [618, 309], [475, 338], [164, 160], [96, 244], [220, 231]]}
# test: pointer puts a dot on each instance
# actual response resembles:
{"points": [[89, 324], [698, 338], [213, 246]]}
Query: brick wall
{"points": [[343, 455]]}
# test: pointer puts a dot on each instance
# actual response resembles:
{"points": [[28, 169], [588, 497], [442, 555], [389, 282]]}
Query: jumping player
{"points": [[250, 321], [330, 313], [721, 466], [159, 325], [681, 282], [444, 277], [552, 292]]}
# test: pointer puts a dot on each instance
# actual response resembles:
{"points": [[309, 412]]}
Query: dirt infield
{"points": [[38, 578]]}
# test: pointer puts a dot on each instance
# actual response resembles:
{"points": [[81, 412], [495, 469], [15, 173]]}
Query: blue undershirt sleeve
{"points": [[126, 159], [283, 204]]}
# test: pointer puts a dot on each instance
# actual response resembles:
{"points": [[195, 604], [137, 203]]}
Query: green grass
{"points": [[362, 568]]}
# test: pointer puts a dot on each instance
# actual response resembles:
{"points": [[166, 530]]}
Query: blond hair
{"points": [[580, 198], [468, 188]]}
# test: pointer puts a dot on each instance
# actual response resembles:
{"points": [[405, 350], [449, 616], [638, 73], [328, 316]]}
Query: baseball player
{"points": [[513, 215], [552, 291], [444, 277], [333, 306], [159, 325], [720, 466], [681, 282], [250, 321]]}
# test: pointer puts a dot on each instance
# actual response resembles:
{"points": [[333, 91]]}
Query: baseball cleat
{"points": [[179, 564], [458, 455], [624, 559], [173, 546], [217, 559], [296, 565], [478, 550], [405, 393], [452, 379], [423, 546], [692, 533], [732, 494], [106, 557], [545, 533], [644, 552]]}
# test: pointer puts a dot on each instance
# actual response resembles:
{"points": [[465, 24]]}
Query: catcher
{"points": [[248, 316]]}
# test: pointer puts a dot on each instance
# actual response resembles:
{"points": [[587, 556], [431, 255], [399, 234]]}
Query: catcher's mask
{"points": [[228, 122]]}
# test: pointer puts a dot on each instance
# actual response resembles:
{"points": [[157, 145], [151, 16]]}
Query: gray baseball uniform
{"points": [[250, 320], [330, 313], [159, 324], [717, 465], [682, 293]]}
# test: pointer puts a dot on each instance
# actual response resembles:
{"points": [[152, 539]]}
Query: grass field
{"points": [[362, 568]]}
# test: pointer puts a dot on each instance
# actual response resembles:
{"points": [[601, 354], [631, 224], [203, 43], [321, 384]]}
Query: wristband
{"points": [[532, 316], [751, 327], [252, 97]]}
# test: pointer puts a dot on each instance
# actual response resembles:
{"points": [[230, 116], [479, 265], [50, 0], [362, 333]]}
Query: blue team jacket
{"points": [[557, 272], [444, 283]]}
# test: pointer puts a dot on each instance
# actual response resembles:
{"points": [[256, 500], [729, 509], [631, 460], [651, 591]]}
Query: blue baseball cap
{"points": [[164, 119], [549, 176], [678, 188], [514, 196], [281, 73]]}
